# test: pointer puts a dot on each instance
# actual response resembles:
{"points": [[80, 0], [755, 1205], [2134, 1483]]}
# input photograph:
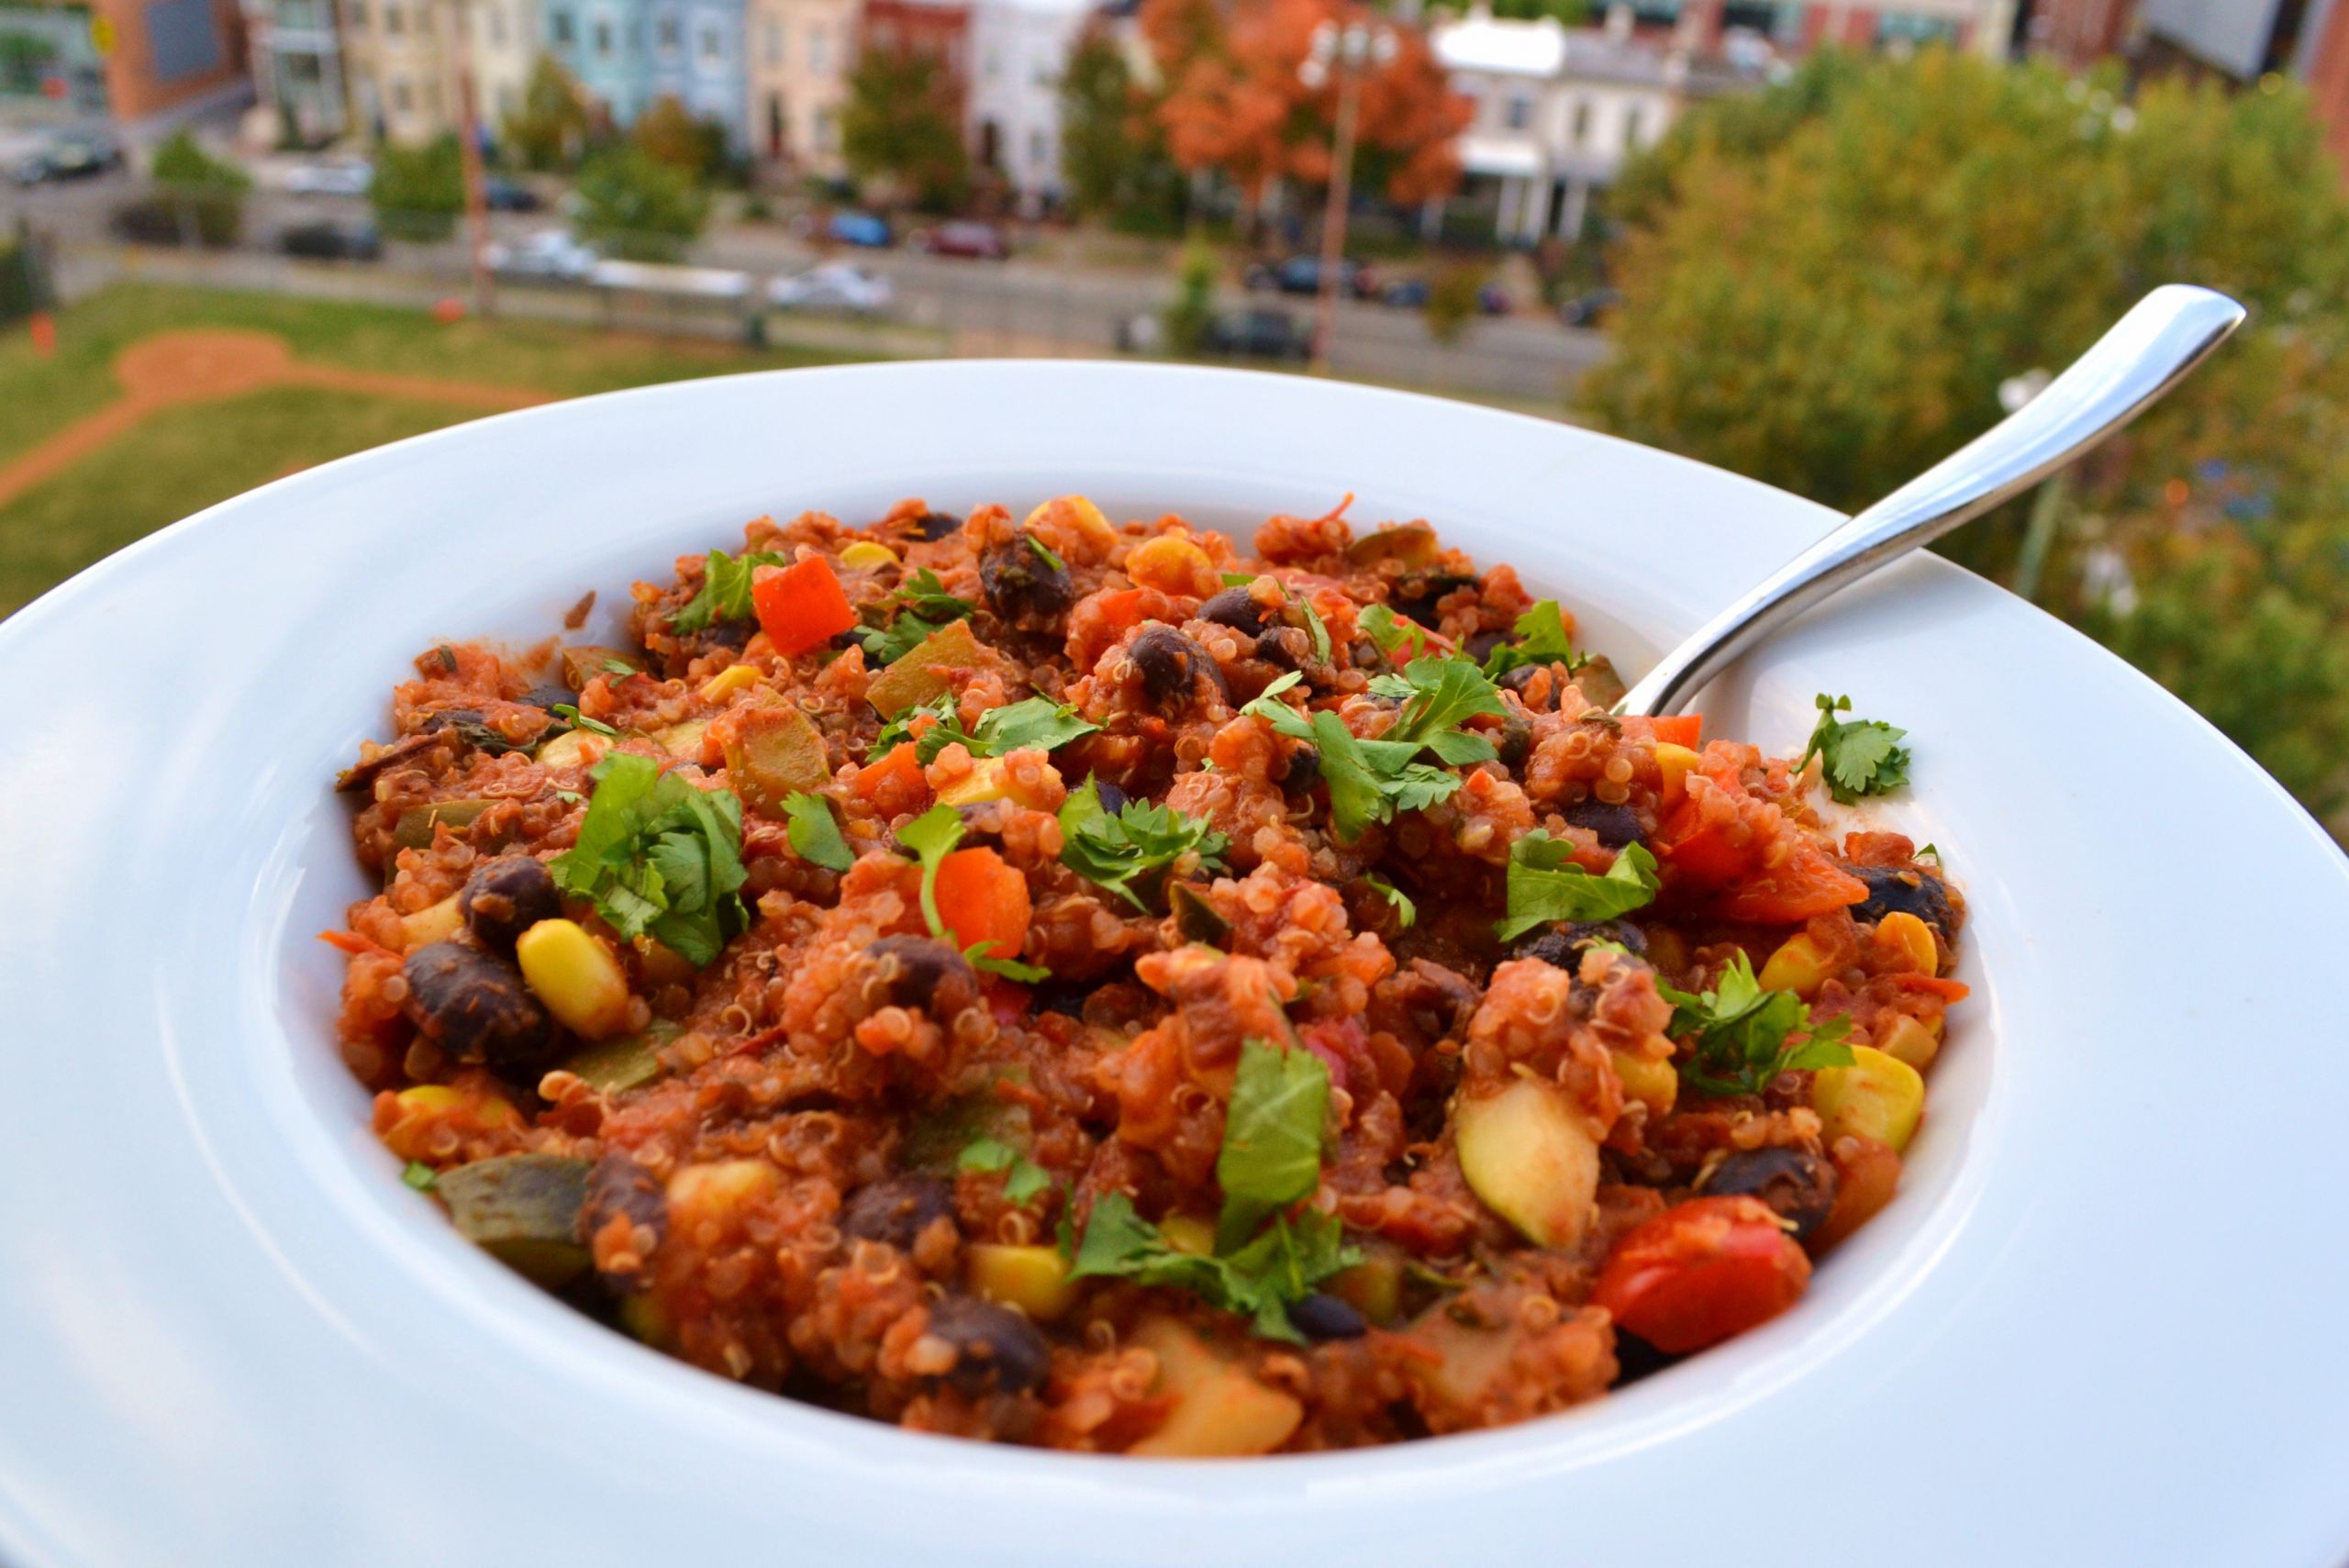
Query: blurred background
{"points": [[1815, 241]]}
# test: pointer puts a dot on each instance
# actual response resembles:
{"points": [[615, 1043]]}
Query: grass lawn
{"points": [[185, 459]]}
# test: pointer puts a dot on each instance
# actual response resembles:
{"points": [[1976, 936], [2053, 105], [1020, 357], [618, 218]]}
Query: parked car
{"points": [[333, 239], [834, 285], [1260, 334], [157, 220], [1589, 309], [846, 227], [1406, 294], [503, 194], [1494, 300], [1302, 274], [69, 155], [977, 241], [548, 256], [330, 177]]}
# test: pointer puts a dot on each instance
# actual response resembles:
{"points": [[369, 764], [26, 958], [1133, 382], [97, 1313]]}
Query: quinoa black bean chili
{"points": [[1064, 983]]}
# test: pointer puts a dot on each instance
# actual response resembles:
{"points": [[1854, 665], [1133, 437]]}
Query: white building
{"points": [[1019, 50]]}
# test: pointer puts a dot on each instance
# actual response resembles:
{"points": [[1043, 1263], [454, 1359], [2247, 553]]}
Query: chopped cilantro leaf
{"points": [[1740, 1032], [1023, 1179], [930, 836], [1393, 633], [419, 1176], [1130, 850], [1540, 640], [1406, 912], [568, 796], [1038, 723], [1544, 884], [1445, 692], [900, 621], [1045, 553], [1317, 630], [725, 592], [1010, 968], [656, 856], [1238, 579], [620, 667], [570, 714], [1272, 1137], [1370, 781], [1933, 850], [1259, 1281], [1858, 756], [814, 835]]}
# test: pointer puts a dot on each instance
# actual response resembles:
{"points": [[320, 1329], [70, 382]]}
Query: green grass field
{"points": [[186, 458]]}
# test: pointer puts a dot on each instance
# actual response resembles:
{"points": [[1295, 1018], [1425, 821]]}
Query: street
{"points": [[1026, 306]]}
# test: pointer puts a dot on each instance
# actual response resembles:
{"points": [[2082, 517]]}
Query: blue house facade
{"points": [[630, 53]]}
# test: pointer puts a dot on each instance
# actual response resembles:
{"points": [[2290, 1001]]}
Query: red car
{"points": [[978, 241]]}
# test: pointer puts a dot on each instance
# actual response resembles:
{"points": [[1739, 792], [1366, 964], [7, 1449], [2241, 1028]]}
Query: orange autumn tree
{"points": [[1235, 103]]}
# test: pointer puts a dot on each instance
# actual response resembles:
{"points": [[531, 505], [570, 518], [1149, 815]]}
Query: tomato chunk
{"points": [[983, 898], [1680, 730], [801, 606], [1807, 883], [1701, 1272]]}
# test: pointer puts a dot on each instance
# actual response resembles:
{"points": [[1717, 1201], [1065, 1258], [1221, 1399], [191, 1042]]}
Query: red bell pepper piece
{"points": [[801, 606], [1701, 1272]]}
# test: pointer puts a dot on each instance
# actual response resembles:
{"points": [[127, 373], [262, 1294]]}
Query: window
{"points": [[1582, 122], [182, 40], [1040, 150], [670, 33], [359, 16], [1634, 125], [603, 37], [1042, 72], [432, 99], [1519, 112], [403, 99], [394, 20], [497, 23], [819, 51], [827, 131], [509, 102], [561, 25], [770, 41], [710, 48]]}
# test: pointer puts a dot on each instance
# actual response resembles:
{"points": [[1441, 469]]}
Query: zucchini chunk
{"points": [[523, 1210]]}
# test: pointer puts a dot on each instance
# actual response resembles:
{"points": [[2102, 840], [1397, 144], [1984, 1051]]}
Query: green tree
{"points": [[1098, 146], [668, 133], [637, 208], [901, 124], [1187, 318], [1454, 296], [1824, 287], [204, 195], [550, 131], [418, 192]]}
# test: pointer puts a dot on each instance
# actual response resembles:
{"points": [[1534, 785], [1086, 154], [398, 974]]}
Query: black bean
{"points": [[998, 1350], [452, 718], [619, 1187], [1304, 769], [507, 897], [475, 1006], [1636, 1359], [1516, 744], [897, 1209], [922, 971], [1536, 686], [1236, 608], [936, 525], [1022, 587], [1615, 825], [1113, 799], [1895, 892], [1285, 647], [1172, 665], [1325, 1317], [549, 695], [1480, 647], [1417, 597], [1798, 1184], [1063, 997], [1562, 944]]}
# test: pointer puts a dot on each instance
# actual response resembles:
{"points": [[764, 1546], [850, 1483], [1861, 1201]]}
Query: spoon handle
{"points": [[2147, 351]]}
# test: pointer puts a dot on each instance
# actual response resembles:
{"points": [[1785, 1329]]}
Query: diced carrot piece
{"points": [[894, 784], [982, 898], [1681, 730], [801, 606]]}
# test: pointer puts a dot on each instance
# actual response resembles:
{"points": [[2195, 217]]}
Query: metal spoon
{"points": [[2148, 351]]}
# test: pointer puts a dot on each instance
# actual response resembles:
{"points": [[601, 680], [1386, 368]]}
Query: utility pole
{"points": [[469, 161], [1346, 51]]}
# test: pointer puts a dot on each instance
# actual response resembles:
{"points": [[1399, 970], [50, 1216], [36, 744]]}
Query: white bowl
{"points": [[2100, 1324]]}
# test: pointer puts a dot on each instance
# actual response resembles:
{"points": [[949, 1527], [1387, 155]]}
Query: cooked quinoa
{"points": [[1067, 983]]}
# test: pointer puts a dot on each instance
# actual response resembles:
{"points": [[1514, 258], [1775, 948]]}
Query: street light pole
{"points": [[1334, 214], [469, 163], [1344, 50]]}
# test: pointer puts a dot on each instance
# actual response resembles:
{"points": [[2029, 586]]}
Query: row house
{"points": [[151, 64], [628, 54], [800, 52], [1019, 48]]}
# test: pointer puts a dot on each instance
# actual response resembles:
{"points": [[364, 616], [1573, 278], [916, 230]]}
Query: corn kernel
{"points": [[576, 976], [987, 781], [726, 682], [1800, 965], [1188, 1233], [445, 1099], [1652, 1081], [1878, 1097], [1033, 1279], [716, 1190], [1172, 566], [1906, 1040], [1676, 762], [647, 1320], [1912, 938], [436, 923], [865, 555], [1082, 515]]}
